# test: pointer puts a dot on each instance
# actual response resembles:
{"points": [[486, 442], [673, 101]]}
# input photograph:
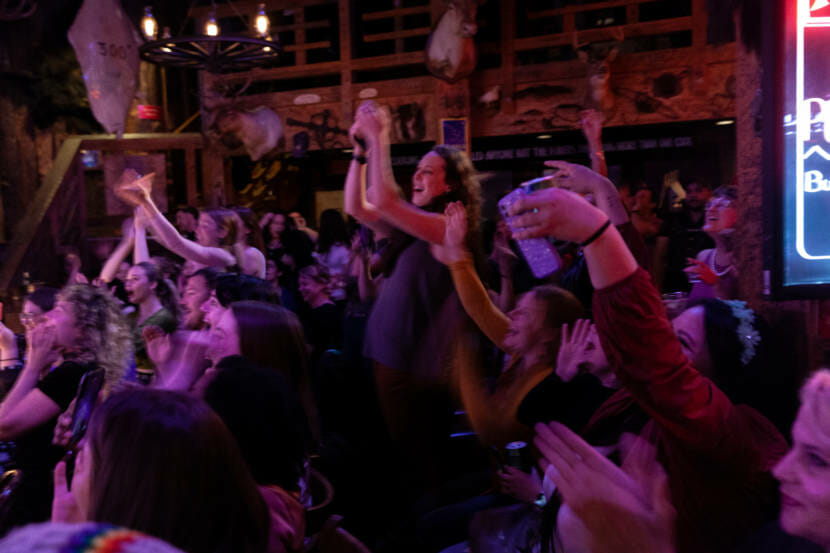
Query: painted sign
{"points": [[152, 113], [806, 127]]}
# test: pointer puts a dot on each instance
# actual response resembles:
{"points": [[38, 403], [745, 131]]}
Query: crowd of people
{"points": [[217, 380]]}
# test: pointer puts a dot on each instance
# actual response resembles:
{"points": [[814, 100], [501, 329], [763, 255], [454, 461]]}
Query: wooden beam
{"points": [[142, 141], [583, 8], [27, 226], [592, 35], [700, 23], [344, 16], [396, 35], [307, 46], [299, 36], [225, 9], [386, 14], [508, 57], [307, 25], [325, 68]]}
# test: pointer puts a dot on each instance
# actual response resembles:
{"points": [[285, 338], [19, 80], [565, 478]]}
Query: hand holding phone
{"points": [[88, 390], [541, 256]]}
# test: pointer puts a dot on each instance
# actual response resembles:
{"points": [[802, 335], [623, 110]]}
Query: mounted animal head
{"points": [[450, 50], [259, 130], [14, 10], [460, 17], [597, 57]]}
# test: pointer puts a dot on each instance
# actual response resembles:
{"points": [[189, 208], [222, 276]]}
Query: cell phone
{"points": [[88, 390], [539, 253], [365, 234]]}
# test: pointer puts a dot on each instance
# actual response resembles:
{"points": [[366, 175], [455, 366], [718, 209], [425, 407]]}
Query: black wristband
{"points": [[360, 159], [597, 234]]}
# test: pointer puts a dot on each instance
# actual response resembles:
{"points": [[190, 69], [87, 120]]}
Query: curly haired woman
{"points": [[85, 328]]}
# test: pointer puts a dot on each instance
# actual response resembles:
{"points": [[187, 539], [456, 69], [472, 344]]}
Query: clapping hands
{"points": [[455, 234], [623, 509]]}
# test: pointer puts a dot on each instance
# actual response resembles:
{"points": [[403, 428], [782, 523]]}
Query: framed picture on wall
{"points": [[456, 133]]}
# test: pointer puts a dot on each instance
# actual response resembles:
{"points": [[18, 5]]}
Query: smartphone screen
{"points": [[88, 390]]}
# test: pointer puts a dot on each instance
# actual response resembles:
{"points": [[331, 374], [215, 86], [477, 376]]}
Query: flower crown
{"points": [[747, 334]]}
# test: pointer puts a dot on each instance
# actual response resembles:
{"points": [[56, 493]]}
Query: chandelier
{"points": [[212, 51]]}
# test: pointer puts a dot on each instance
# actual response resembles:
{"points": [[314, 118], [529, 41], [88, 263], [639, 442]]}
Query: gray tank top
{"points": [[416, 316]]}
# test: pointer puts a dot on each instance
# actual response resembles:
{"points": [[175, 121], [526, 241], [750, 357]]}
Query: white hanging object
{"points": [[106, 44]]}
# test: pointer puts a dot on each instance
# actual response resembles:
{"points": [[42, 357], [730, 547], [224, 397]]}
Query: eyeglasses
{"points": [[27, 318], [719, 203]]}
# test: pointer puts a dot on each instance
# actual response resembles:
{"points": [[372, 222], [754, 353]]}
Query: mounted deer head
{"points": [[259, 130], [14, 10], [597, 56], [450, 50]]}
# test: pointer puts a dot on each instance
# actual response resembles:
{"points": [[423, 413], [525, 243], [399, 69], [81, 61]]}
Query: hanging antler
{"points": [[13, 10]]}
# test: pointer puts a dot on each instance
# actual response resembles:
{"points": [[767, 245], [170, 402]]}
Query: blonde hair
{"points": [[815, 403], [104, 333]]}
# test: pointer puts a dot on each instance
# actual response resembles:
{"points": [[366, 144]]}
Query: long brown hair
{"points": [[462, 180], [272, 336], [163, 463]]}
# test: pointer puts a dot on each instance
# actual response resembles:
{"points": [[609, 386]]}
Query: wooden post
{"points": [[344, 16], [190, 172], [299, 34], [213, 176], [508, 57]]}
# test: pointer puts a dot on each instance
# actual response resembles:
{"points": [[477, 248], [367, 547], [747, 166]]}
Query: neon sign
{"points": [[805, 195], [813, 114]]}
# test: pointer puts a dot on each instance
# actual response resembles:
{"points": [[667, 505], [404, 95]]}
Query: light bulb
{"points": [[262, 23], [211, 28], [148, 23], [165, 34]]}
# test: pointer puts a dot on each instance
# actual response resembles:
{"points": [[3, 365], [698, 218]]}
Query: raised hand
{"points": [[357, 140], [574, 348], [373, 120], [622, 510], [591, 121], [576, 178], [140, 218], [555, 212], [700, 270], [157, 344], [134, 189], [455, 234]]}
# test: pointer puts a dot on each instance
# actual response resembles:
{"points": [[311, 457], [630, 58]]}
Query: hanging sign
{"points": [[151, 113], [106, 44], [805, 229]]}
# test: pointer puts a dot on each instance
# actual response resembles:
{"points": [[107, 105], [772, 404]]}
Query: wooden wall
{"points": [[651, 83]]}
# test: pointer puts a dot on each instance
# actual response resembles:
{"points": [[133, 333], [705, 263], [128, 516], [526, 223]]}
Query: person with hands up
{"points": [[718, 453], [530, 334], [215, 234], [416, 317]]}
